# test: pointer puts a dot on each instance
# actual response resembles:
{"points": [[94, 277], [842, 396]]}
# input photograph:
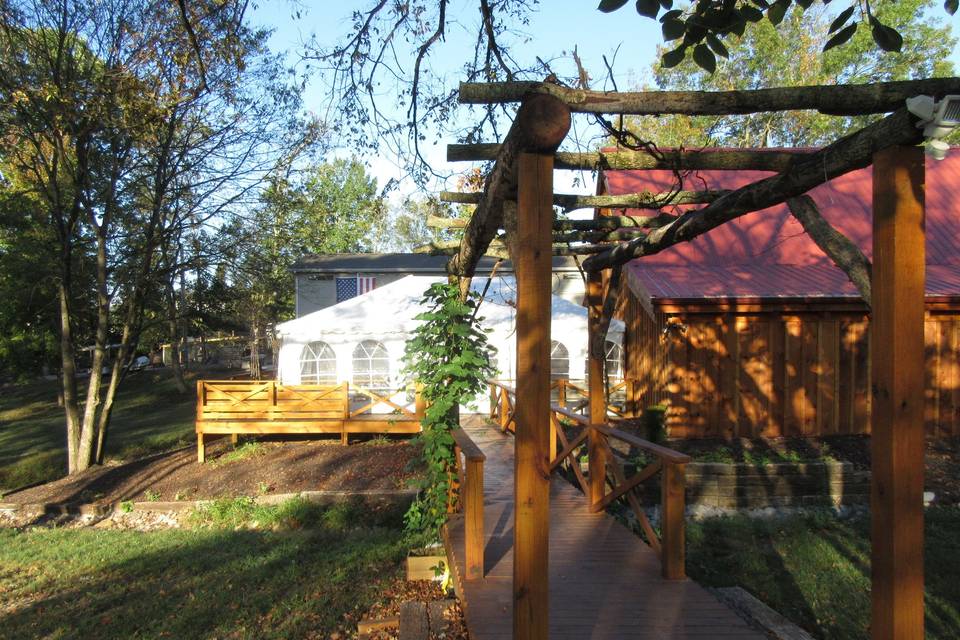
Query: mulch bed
{"points": [[274, 467]]}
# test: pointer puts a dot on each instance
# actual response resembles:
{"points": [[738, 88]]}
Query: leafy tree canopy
{"points": [[791, 55], [698, 31]]}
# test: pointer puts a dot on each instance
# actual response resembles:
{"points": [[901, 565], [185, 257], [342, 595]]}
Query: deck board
{"points": [[604, 581]]}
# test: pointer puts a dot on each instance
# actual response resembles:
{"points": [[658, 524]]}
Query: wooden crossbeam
{"points": [[843, 99], [679, 159], [572, 201]]}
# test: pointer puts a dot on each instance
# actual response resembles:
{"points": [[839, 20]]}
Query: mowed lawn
{"points": [[815, 568], [149, 415], [305, 572]]}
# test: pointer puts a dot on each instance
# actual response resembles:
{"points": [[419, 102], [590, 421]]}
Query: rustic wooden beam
{"points": [[603, 223], [571, 202], [897, 363], [838, 247], [541, 124], [679, 159], [854, 151], [846, 100], [500, 251], [531, 460]]}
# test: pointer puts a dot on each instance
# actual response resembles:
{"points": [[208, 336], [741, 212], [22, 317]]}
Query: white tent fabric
{"points": [[388, 315]]}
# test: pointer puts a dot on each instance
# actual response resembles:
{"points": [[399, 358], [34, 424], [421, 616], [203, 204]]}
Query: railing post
{"points": [[672, 523], [493, 401], [421, 403], [555, 424], [472, 496], [504, 409], [562, 392], [595, 392]]}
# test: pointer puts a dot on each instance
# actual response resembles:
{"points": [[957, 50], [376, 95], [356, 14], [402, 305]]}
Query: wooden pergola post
{"points": [[598, 397], [532, 463], [897, 414]]}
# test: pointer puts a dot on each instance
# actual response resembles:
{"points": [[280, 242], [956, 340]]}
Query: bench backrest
{"points": [[252, 399]]}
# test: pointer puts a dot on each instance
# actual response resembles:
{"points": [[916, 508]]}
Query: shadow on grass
{"points": [[203, 582], [815, 568]]}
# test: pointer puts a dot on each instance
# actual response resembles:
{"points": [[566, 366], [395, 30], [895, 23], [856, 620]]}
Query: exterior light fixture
{"points": [[937, 119]]}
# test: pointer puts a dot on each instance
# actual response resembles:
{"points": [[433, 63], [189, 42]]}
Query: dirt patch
{"points": [[263, 468]]}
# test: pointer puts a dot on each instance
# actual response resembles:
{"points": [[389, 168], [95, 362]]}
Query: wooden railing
{"points": [[569, 396], [375, 399], [669, 464], [469, 499]]}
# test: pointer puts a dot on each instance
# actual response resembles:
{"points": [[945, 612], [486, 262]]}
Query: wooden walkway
{"points": [[604, 581]]}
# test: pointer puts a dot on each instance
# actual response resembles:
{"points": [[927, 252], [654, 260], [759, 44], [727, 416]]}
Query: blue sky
{"points": [[554, 30]]}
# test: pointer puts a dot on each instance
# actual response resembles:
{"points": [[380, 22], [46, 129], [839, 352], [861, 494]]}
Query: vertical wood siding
{"points": [[771, 374]]}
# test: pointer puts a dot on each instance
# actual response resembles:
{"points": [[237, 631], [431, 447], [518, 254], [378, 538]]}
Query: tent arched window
{"points": [[559, 361], [318, 364], [371, 366], [614, 358]]}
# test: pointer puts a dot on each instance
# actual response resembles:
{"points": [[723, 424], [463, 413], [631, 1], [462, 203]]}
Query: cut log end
{"points": [[542, 123]]}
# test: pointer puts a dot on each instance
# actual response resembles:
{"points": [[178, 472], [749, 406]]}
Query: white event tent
{"points": [[362, 340]]}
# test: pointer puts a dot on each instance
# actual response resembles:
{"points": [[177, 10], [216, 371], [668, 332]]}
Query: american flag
{"points": [[354, 286]]}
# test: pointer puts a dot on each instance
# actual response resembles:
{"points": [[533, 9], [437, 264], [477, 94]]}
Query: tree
{"points": [[701, 27], [332, 207], [368, 77], [409, 226], [791, 55], [124, 131]]}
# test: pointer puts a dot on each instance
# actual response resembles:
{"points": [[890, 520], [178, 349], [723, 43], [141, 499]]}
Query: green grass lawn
{"points": [[815, 569], [299, 575], [149, 415]]}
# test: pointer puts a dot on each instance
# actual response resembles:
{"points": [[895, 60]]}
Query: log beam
{"points": [[844, 100], [603, 223], [838, 247], [676, 159], [541, 124], [572, 202], [854, 151]]}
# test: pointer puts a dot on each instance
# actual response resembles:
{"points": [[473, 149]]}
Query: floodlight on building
{"points": [[937, 119]]}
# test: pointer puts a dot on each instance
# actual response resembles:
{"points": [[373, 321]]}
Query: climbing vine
{"points": [[450, 357]]}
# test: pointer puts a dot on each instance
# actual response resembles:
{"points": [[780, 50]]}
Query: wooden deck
{"points": [[604, 581]]}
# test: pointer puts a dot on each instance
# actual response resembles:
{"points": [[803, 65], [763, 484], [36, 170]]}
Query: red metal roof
{"points": [[766, 254]]}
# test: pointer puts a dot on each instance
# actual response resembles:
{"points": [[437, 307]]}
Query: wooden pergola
{"points": [[514, 217]]}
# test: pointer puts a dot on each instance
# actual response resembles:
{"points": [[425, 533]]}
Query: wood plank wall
{"points": [[775, 374]]}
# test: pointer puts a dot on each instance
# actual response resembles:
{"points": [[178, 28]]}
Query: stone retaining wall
{"points": [[745, 486]]}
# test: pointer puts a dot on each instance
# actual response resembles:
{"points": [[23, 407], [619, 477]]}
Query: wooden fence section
{"points": [[670, 465], [237, 407], [605, 583], [776, 374]]}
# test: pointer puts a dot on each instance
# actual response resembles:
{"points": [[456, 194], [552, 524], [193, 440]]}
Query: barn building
{"points": [[751, 331]]}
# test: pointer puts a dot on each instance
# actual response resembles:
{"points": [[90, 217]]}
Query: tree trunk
{"points": [[255, 350], [87, 429], [173, 327], [68, 377]]}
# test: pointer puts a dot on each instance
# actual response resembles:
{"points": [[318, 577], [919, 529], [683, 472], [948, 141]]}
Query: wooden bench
{"points": [[237, 407]]}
